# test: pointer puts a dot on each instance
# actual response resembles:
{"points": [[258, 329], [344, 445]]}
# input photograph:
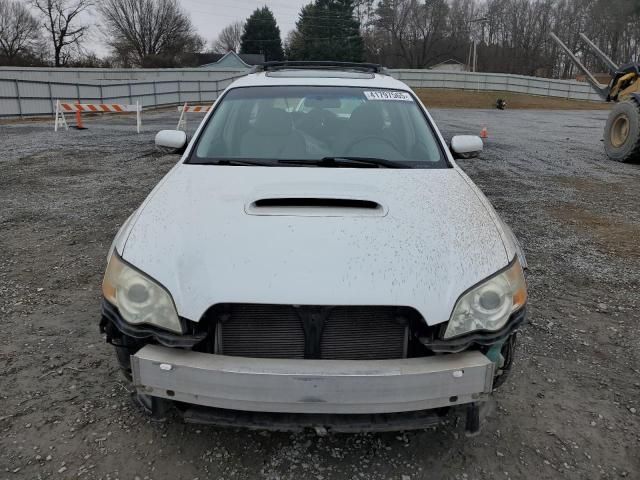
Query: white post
{"points": [[55, 124], [60, 118], [138, 115], [182, 123]]}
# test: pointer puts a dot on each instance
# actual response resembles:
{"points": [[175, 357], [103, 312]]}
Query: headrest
{"points": [[367, 119], [273, 121]]}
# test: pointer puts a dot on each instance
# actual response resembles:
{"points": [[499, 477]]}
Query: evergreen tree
{"points": [[262, 35], [327, 30]]}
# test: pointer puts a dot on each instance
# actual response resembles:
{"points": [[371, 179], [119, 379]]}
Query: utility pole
{"points": [[475, 56], [472, 62]]}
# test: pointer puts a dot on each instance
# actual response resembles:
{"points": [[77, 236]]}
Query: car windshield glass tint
{"points": [[269, 124]]}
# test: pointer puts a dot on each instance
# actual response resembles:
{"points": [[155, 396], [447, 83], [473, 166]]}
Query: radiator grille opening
{"points": [[261, 331], [364, 333], [278, 331]]}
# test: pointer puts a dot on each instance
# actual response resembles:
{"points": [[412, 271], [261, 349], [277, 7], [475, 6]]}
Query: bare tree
{"points": [[413, 29], [149, 32], [364, 11], [512, 36], [229, 39], [19, 30], [62, 22]]}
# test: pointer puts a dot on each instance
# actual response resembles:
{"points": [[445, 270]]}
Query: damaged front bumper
{"points": [[480, 338], [312, 386], [284, 394]]}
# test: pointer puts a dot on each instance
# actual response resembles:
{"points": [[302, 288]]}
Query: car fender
{"points": [[510, 241]]}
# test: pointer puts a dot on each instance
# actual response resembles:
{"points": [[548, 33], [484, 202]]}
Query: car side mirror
{"points": [[174, 139], [466, 146]]}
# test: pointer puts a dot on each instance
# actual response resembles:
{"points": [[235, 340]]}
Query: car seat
{"points": [[365, 135], [272, 136]]}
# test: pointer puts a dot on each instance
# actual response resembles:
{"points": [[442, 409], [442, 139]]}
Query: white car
{"points": [[315, 259]]}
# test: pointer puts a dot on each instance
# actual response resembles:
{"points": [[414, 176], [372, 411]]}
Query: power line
{"points": [[320, 21], [283, 27], [235, 6], [308, 39], [327, 17]]}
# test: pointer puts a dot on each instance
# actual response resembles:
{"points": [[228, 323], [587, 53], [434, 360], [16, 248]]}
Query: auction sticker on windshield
{"points": [[389, 95]]}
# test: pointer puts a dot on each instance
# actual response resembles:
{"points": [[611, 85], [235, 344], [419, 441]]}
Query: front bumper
{"points": [[312, 386]]}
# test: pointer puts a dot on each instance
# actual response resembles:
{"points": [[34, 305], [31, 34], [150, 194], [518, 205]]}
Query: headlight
{"points": [[489, 305], [138, 298]]}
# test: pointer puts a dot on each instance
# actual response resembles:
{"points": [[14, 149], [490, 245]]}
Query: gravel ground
{"points": [[570, 409]]}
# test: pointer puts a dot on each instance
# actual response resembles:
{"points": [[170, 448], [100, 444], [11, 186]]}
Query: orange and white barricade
{"points": [[186, 108], [78, 108]]}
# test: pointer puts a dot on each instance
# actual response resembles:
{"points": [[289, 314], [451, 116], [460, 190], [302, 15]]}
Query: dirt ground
{"points": [[443, 97], [571, 409]]}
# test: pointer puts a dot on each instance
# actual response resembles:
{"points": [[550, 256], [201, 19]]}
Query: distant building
{"points": [[450, 65], [228, 61]]}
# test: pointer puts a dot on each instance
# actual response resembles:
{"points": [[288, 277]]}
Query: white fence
{"points": [[24, 93], [571, 89], [114, 75], [32, 98]]}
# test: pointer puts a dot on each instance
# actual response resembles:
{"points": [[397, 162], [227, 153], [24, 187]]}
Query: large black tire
{"points": [[622, 132]]}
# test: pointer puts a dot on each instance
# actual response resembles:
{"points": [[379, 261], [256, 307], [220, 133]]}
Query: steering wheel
{"points": [[372, 140]]}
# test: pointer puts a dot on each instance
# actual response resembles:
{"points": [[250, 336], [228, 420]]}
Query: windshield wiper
{"points": [[358, 162], [236, 161]]}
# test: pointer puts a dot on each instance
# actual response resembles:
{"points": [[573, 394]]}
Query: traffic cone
{"points": [[483, 133], [79, 125]]}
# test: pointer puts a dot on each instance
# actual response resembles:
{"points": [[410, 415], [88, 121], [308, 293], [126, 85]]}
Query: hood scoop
{"points": [[315, 207]]}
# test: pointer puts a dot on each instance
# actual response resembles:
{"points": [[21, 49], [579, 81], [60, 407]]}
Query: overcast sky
{"points": [[211, 16]]}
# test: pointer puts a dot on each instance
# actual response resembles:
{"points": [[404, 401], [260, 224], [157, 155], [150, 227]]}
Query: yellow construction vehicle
{"points": [[622, 130]]}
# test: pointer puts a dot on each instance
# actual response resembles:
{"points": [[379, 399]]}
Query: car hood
{"points": [[202, 236]]}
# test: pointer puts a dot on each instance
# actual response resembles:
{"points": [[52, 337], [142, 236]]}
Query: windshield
{"points": [[266, 125]]}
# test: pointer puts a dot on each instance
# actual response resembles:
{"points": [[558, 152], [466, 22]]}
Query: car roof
{"points": [[332, 78]]}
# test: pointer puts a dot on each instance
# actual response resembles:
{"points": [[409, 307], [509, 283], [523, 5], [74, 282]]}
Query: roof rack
{"points": [[320, 65]]}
